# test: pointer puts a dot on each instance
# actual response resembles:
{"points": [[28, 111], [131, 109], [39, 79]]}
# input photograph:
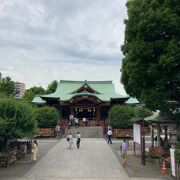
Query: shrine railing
{"points": [[63, 123], [104, 124]]}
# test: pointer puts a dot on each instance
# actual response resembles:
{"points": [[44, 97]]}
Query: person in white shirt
{"points": [[123, 149], [78, 140], [70, 140], [84, 121], [76, 122], [109, 134]]}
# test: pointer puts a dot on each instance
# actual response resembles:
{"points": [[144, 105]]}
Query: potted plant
{"points": [[156, 152]]}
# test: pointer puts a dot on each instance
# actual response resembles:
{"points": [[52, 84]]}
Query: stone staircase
{"points": [[87, 132]]}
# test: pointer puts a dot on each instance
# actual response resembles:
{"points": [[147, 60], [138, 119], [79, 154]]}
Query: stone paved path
{"points": [[93, 161]]}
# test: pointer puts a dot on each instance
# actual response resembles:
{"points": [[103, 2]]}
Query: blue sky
{"points": [[46, 40]]}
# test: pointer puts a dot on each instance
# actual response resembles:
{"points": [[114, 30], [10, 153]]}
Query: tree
{"points": [[151, 66], [17, 119], [6, 87], [46, 116], [30, 93], [120, 116], [52, 87], [143, 112]]}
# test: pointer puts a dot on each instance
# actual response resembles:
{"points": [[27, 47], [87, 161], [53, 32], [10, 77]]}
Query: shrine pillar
{"points": [[71, 110], [158, 135], [152, 135]]}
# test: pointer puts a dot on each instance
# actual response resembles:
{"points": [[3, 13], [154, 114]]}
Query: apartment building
{"points": [[19, 89]]}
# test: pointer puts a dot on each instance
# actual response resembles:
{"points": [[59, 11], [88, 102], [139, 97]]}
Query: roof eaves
{"points": [[120, 97], [48, 96], [38, 100], [84, 94], [132, 101]]}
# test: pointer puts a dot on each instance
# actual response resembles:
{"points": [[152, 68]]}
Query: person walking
{"points": [[123, 150], [78, 140], [70, 140], [84, 121], [34, 150], [109, 134], [76, 120]]}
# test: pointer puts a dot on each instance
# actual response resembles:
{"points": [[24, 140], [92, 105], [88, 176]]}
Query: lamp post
{"points": [[142, 138]]}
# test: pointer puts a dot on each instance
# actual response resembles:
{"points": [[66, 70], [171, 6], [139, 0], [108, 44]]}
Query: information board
{"points": [[173, 163], [137, 133]]}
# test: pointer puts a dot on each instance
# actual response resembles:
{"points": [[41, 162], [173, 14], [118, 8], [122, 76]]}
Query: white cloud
{"points": [[41, 41]]}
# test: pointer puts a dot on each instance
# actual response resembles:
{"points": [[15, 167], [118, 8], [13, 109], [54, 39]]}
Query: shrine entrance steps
{"points": [[87, 132]]}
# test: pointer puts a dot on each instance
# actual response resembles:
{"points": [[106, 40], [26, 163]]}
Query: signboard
{"points": [[137, 133], [173, 163]]}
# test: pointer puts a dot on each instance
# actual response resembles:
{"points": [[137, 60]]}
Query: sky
{"points": [[46, 40]]}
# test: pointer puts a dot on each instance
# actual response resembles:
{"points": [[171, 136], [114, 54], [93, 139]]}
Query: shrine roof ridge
{"points": [[73, 81]]}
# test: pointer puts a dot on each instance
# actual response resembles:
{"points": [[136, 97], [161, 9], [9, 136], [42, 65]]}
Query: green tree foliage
{"points": [[30, 93], [46, 116], [151, 67], [52, 87], [6, 87], [142, 112], [17, 119], [119, 116]]}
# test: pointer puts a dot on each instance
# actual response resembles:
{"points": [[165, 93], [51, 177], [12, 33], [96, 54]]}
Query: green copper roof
{"points": [[38, 100], [157, 117], [132, 101], [103, 90]]}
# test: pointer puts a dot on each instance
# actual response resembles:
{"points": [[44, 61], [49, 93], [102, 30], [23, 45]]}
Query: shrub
{"points": [[156, 152], [143, 112], [46, 116], [120, 116], [17, 120]]}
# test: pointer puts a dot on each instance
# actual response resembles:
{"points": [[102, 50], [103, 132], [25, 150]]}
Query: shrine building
{"points": [[84, 99]]}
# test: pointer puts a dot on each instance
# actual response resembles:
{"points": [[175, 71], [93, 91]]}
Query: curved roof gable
{"points": [[86, 87]]}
